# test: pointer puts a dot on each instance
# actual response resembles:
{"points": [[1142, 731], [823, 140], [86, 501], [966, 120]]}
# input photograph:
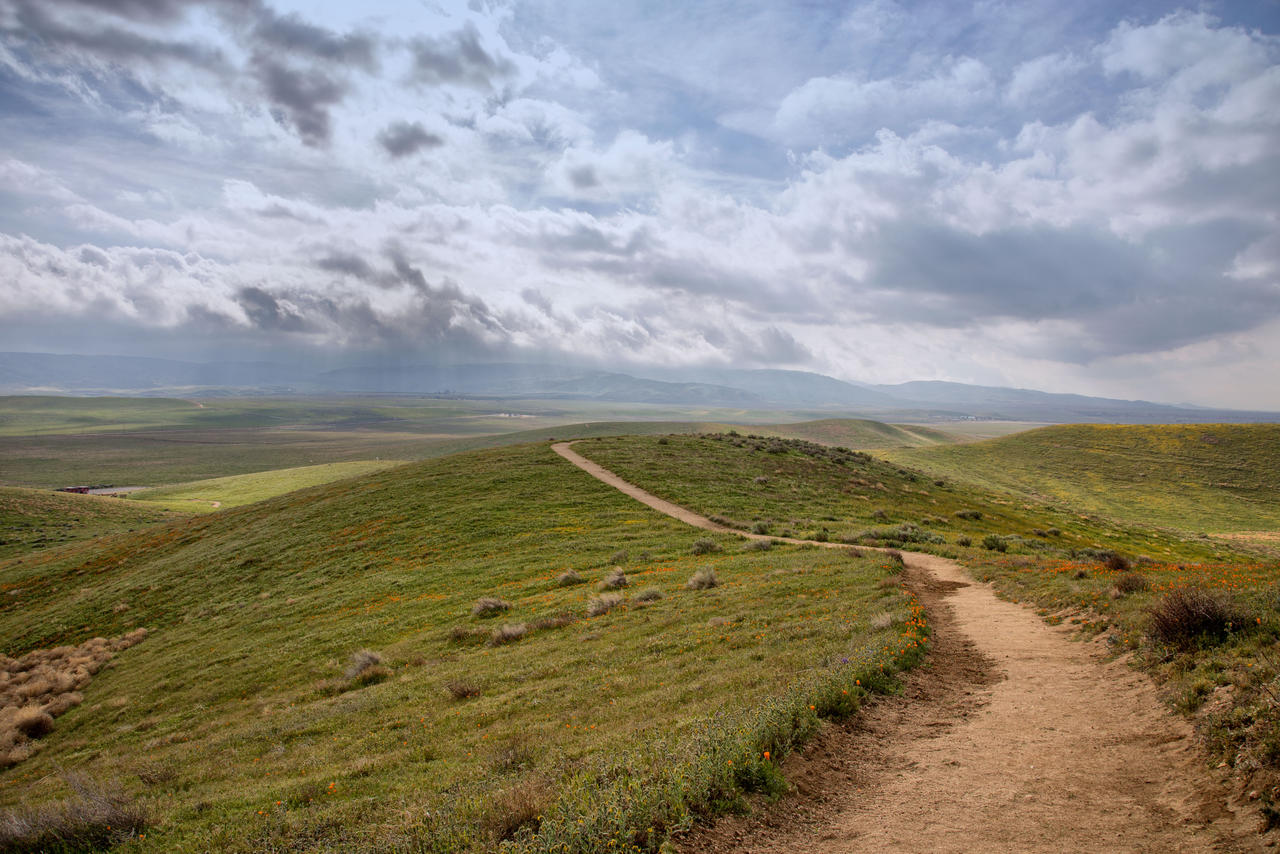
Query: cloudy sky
{"points": [[1051, 195]]}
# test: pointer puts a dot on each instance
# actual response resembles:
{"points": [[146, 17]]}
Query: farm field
{"points": [[233, 725], [206, 496]]}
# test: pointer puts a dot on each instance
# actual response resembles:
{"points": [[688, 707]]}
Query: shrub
{"points": [[761, 479], [1116, 562], [489, 606], [964, 541], [620, 556], [559, 621], [821, 536], [895, 556], [33, 722], [995, 543], [758, 545], [1182, 617], [462, 689], [365, 668], [467, 634], [971, 515], [703, 579], [568, 578], [95, 818], [705, 546], [904, 533], [1131, 582], [603, 604], [649, 594], [507, 634], [760, 527], [615, 580]]}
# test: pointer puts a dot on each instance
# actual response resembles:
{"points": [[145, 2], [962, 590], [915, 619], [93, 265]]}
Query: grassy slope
{"points": [[205, 496], [33, 520], [250, 609], [805, 494], [1205, 477], [855, 433]]}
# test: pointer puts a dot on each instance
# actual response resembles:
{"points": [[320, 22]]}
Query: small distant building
{"points": [[78, 490]]}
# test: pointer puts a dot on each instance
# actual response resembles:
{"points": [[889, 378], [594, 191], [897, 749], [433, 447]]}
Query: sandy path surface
{"points": [[1012, 738]]}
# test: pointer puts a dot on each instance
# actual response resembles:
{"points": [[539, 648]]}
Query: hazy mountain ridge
{"points": [[25, 373]]}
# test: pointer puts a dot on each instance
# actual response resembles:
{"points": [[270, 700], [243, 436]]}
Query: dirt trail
{"points": [[1012, 738]]}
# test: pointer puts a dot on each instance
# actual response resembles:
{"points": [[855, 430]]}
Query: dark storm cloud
{"points": [[1127, 297], [292, 34], [350, 265], [300, 98], [401, 139], [269, 314], [584, 177], [458, 58]]}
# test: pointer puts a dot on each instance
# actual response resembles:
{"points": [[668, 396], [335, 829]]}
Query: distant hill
{"points": [[798, 392], [1198, 477]]}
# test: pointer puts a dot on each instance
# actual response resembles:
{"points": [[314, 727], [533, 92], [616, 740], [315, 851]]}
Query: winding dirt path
{"points": [[1012, 738]]}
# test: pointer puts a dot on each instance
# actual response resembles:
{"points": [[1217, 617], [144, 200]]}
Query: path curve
{"points": [[1042, 747]]}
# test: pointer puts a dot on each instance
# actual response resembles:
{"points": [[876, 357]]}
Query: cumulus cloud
{"points": [[401, 139]]}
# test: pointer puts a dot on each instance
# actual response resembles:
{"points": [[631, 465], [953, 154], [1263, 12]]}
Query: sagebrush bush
{"points": [[1131, 582], [489, 606], [365, 668], [1183, 617], [760, 527], [703, 579], [963, 540], [603, 604], [615, 580], [568, 578], [705, 546], [758, 545], [649, 594], [620, 556], [995, 543], [971, 515]]}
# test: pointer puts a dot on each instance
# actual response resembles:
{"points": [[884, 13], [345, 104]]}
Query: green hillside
{"points": [[1200, 477], [235, 727], [854, 433], [33, 519], [814, 491]]}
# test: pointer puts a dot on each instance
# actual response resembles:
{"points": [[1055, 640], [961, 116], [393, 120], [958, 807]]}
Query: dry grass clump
{"points": [[95, 818], [603, 604], [516, 807], [705, 546], [462, 689], [703, 579], [1131, 582], [490, 606], [1116, 563], [649, 594], [895, 556], [568, 578], [467, 635], [559, 621], [365, 668], [615, 580], [1180, 618], [45, 683], [509, 633]]}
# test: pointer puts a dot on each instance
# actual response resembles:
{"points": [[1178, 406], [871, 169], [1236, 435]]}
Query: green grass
{"points": [[235, 713], [808, 494], [1213, 478], [206, 496], [857, 433], [33, 520]]}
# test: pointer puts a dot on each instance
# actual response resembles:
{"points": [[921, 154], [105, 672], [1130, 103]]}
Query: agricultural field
{"points": [[206, 496], [1213, 478], [321, 670]]}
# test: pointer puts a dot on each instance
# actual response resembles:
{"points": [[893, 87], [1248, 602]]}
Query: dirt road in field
{"points": [[1012, 738]]}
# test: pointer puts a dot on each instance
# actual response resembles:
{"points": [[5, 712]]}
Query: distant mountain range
{"points": [[795, 391]]}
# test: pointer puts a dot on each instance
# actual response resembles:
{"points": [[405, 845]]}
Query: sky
{"points": [[1077, 197]]}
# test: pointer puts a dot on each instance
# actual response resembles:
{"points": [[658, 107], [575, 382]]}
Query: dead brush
{"points": [[615, 580], [1128, 583], [462, 689], [1180, 618], [509, 633], [96, 817], [559, 621], [517, 807], [489, 606], [365, 667], [603, 604], [703, 579]]}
